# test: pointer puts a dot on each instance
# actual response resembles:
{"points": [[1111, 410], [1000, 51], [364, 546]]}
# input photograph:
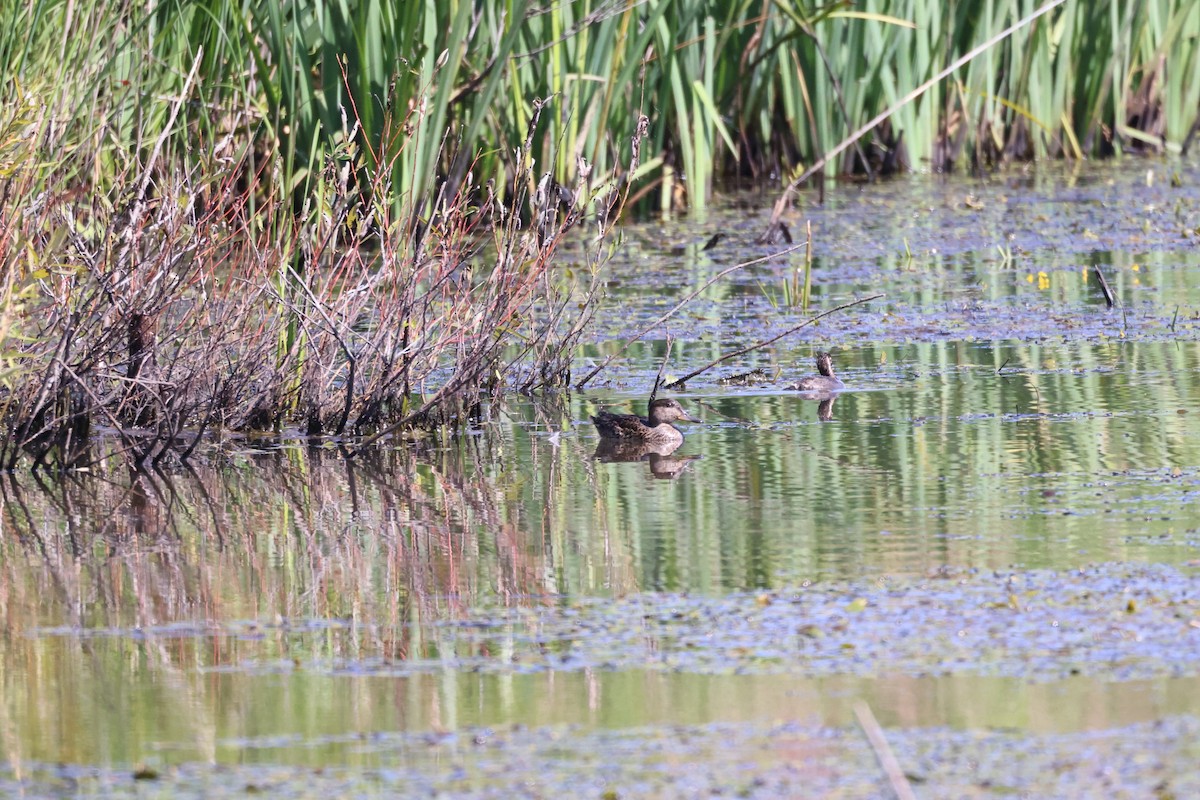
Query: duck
{"points": [[656, 427], [825, 382]]}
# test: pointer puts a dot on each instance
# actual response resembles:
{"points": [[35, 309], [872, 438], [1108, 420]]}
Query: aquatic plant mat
{"points": [[1109, 621], [784, 660], [786, 759]]}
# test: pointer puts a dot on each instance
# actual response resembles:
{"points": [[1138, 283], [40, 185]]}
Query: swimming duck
{"points": [[656, 428], [825, 382]]}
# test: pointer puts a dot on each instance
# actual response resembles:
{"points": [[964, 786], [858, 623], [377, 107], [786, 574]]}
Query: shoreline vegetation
{"points": [[344, 219]]}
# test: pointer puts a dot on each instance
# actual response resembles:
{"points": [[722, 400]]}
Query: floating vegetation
{"points": [[765, 760], [755, 377], [1110, 620]]}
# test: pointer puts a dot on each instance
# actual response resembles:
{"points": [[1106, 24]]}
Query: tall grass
{"points": [[730, 86], [203, 258]]}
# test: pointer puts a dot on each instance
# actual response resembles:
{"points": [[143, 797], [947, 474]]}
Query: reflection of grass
{"points": [[392, 533], [968, 470], [941, 463], [281, 532]]}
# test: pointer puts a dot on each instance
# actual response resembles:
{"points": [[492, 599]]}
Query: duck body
{"points": [[826, 381], [655, 428], [818, 383]]}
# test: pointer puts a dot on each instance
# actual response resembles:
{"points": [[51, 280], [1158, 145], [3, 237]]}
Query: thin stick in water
{"points": [[883, 752], [662, 367], [725, 357], [1108, 295], [808, 264], [587, 378]]}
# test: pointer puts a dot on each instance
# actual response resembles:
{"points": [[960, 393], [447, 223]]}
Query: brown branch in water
{"points": [[676, 307], [447, 388], [883, 752], [1108, 295], [679, 383], [662, 367]]}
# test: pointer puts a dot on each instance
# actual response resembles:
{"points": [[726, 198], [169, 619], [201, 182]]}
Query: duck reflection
{"points": [[825, 407], [658, 455]]}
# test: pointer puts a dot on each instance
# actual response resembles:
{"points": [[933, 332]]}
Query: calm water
{"points": [[278, 605]]}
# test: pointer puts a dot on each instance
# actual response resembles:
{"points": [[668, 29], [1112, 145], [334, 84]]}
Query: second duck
{"points": [[825, 382]]}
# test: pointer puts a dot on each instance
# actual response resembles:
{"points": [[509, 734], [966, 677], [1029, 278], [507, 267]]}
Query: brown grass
{"points": [[173, 307]]}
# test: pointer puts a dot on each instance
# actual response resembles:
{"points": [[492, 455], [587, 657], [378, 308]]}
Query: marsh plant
{"points": [[185, 303], [762, 90]]}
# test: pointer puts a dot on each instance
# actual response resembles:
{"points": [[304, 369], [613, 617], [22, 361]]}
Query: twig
{"points": [[883, 752], [676, 307], [1108, 295], [298, 280], [448, 387], [782, 202], [133, 228], [772, 340], [662, 367], [808, 265]]}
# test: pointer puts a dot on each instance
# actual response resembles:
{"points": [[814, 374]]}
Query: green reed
{"points": [[434, 90]]}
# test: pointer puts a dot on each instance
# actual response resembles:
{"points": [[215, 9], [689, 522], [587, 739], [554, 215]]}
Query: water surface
{"points": [[991, 538]]}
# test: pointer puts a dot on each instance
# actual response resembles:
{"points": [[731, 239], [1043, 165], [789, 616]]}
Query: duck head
{"points": [[667, 409]]}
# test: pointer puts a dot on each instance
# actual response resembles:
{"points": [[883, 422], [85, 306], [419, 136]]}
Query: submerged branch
{"points": [[883, 753], [676, 307], [679, 383], [662, 367]]}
